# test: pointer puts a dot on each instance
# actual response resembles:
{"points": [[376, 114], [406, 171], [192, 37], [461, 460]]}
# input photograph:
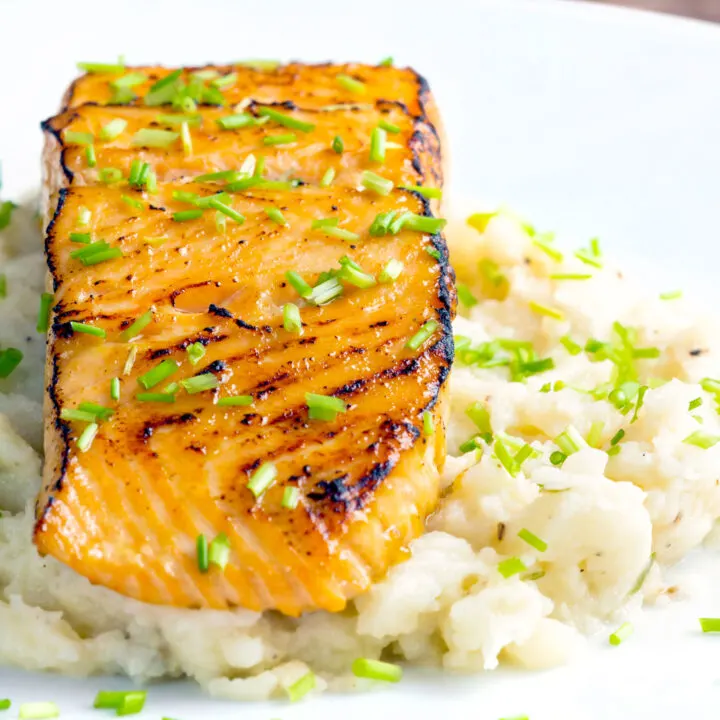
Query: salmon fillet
{"points": [[171, 463]]}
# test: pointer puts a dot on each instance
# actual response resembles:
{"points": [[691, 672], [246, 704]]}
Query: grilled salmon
{"points": [[254, 360]]}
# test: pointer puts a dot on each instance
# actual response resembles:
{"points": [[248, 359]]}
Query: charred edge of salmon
{"points": [[424, 138]]}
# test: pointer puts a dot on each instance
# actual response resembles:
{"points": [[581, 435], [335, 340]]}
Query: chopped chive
{"points": [[511, 566], [649, 353], [78, 138], [82, 238], [570, 276], [532, 540], [104, 68], [88, 329], [557, 458], [428, 423], [551, 312], [185, 215], [128, 81], [262, 478], [132, 202], [3, 287], [109, 699], [84, 217], [391, 272], [422, 335], [710, 625], [43, 319], [164, 90], [109, 175], [5, 704], [672, 295], [594, 435], [195, 352], [295, 279], [300, 688], [621, 634], [77, 415], [338, 145], [386, 62], [219, 551], [235, 122], [227, 175], [376, 183], [260, 64], [154, 138], [694, 404], [324, 222], [702, 440], [285, 120], [156, 241], [113, 129], [290, 498], [156, 375], [175, 120], [480, 415], [544, 243], [324, 407], [351, 84], [427, 192], [327, 178], [161, 397], [325, 292], [99, 412], [275, 215], [137, 327], [6, 211], [523, 454], [570, 345], [221, 207], [617, 437], [235, 401], [90, 156], [115, 389], [224, 82], [132, 354], [186, 139], [291, 318], [171, 388], [200, 383], [202, 551], [377, 670], [639, 402], [424, 224], [10, 358], [337, 232], [38, 710], [87, 436], [283, 139], [570, 441], [378, 140], [506, 459], [388, 126], [588, 258], [356, 277]]}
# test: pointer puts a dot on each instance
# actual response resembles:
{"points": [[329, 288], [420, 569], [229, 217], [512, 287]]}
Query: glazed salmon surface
{"points": [[191, 286]]}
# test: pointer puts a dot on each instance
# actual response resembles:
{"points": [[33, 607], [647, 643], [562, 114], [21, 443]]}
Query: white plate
{"points": [[589, 120]]}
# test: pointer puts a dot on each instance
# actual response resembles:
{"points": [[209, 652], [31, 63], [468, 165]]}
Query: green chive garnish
{"points": [[87, 436], [186, 139], [422, 335], [132, 202], [219, 551], [160, 372], [702, 440], [262, 478], [6, 210], [428, 423], [78, 138], [77, 415], [154, 138], [546, 310], [532, 540], [185, 215], [195, 352], [200, 383], [164, 90], [38, 710], [275, 215], [299, 689], [325, 292], [234, 122], [5, 704], [137, 327], [291, 318], [511, 566], [391, 272], [202, 553], [10, 358], [284, 139], [43, 320], [3, 285], [115, 389], [351, 84], [285, 120], [109, 175], [427, 192], [88, 329], [388, 126], [694, 404], [235, 401], [290, 498], [672, 295], [303, 289], [377, 670], [324, 407], [710, 625], [81, 238], [90, 156], [113, 129], [221, 207], [162, 397], [327, 178], [621, 634], [376, 183], [104, 68], [386, 62], [465, 296], [175, 120], [378, 140], [338, 145]]}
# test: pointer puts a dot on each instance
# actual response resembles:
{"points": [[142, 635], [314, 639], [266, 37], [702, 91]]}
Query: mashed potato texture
{"points": [[583, 458]]}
